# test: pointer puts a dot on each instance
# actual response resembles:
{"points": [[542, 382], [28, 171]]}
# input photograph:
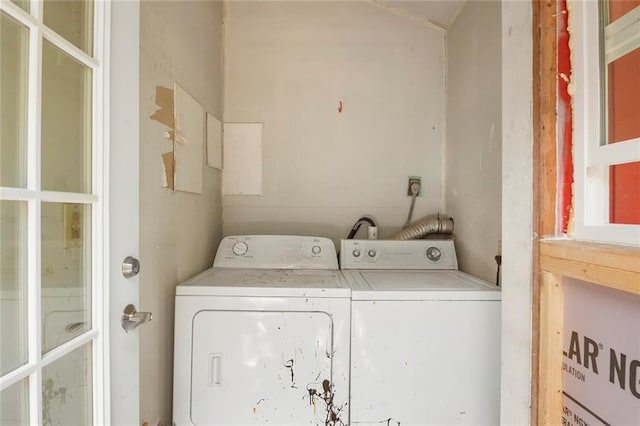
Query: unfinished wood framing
{"points": [[544, 114], [609, 265], [551, 324], [544, 170]]}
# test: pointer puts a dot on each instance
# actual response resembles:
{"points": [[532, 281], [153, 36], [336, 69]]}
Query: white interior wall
{"points": [[179, 232], [517, 212], [288, 65], [473, 148]]}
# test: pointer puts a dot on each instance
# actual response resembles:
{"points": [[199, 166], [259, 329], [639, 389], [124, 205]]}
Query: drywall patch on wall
{"points": [[214, 142], [242, 174], [188, 141], [183, 116]]}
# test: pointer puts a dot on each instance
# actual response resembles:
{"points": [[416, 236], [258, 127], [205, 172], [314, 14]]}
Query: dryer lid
{"points": [[266, 282]]}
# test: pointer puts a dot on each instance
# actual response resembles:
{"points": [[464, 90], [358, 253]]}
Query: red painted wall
{"points": [[564, 122]]}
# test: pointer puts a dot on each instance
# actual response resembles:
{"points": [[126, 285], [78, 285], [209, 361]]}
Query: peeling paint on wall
{"points": [[165, 115], [169, 167]]}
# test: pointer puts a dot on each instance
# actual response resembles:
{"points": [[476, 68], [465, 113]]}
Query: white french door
{"points": [[56, 280]]}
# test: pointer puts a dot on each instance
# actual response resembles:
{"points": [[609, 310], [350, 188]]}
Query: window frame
{"points": [[592, 158]]}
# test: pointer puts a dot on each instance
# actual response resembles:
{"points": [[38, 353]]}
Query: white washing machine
{"points": [[425, 339], [263, 336]]}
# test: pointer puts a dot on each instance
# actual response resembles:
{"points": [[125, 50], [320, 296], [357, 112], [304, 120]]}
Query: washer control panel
{"points": [[240, 248], [276, 252], [393, 254]]}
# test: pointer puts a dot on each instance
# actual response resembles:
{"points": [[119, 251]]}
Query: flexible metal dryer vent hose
{"points": [[432, 224]]}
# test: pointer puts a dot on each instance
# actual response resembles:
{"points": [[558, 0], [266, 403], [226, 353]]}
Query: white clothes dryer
{"points": [[263, 336], [425, 339]]}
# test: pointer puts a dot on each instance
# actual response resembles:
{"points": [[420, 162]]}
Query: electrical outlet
{"points": [[411, 181]]}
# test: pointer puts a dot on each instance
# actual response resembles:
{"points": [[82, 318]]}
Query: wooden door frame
{"points": [[544, 190]]}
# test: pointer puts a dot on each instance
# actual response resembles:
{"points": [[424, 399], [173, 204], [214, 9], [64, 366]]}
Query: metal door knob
{"points": [[132, 319], [130, 267]]}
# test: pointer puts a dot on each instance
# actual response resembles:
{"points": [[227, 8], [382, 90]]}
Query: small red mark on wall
{"points": [[340, 106]]}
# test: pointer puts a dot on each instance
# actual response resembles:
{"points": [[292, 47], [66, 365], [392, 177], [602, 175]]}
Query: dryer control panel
{"points": [[394, 254], [276, 252]]}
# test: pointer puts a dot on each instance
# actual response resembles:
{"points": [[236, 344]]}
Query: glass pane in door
{"points": [[66, 272], [22, 4], [66, 122], [13, 285], [13, 102], [66, 390], [14, 404], [73, 20]]}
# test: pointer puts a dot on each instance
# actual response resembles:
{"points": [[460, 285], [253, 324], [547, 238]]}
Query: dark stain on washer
{"points": [[289, 364], [332, 411]]}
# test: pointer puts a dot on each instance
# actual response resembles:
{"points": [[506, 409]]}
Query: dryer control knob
{"points": [[356, 253], [371, 253], [316, 250], [434, 254], [240, 248]]}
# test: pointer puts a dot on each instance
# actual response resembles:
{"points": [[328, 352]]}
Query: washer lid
{"points": [[419, 285], [266, 282]]}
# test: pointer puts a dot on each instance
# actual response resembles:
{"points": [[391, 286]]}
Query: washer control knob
{"points": [[434, 254], [371, 253], [316, 250], [240, 248], [356, 252]]}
